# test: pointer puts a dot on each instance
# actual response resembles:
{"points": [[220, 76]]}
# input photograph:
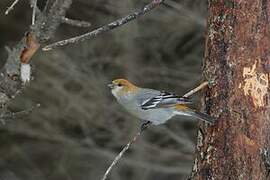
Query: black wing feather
{"points": [[164, 99]]}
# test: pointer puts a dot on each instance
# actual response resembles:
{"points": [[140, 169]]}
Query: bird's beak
{"points": [[111, 85]]}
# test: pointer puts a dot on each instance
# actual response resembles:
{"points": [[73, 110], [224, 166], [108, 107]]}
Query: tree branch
{"points": [[122, 152], [193, 91], [108, 27], [73, 22], [34, 6], [43, 29], [11, 7]]}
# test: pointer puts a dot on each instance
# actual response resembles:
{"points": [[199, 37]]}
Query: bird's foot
{"points": [[145, 125]]}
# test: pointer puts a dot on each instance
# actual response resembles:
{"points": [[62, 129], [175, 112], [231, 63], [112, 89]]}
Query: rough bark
{"points": [[237, 58]]}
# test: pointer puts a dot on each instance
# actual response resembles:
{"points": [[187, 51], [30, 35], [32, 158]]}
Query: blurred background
{"points": [[79, 127]]}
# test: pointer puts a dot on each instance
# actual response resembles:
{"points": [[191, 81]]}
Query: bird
{"points": [[153, 106]]}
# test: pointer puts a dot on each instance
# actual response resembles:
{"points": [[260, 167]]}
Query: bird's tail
{"points": [[203, 116], [184, 110]]}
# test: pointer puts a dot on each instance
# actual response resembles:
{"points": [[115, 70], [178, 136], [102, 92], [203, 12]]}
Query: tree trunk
{"points": [[237, 59]]}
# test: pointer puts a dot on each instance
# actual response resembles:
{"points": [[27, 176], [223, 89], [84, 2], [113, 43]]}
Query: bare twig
{"points": [[34, 6], [73, 22], [108, 27], [193, 91], [11, 7], [119, 156]]}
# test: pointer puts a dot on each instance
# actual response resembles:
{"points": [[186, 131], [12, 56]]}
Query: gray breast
{"points": [[156, 116]]}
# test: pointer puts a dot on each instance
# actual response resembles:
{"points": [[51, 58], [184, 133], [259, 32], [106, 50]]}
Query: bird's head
{"points": [[122, 87]]}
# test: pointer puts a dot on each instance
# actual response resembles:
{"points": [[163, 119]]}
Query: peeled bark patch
{"points": [[30, 49], [256, 85]]}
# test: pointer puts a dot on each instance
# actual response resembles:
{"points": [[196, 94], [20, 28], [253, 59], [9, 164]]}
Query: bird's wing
{"points": [[164, 99], [145, 95]]}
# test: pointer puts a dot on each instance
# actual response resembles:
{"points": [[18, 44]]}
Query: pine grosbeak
{"points": [[153, 106]]}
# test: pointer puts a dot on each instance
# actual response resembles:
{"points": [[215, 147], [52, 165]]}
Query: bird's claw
{"points": [[145, 125]]}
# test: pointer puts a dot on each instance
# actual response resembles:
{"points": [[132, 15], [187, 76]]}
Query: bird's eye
{"points": [[119, 84]]}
